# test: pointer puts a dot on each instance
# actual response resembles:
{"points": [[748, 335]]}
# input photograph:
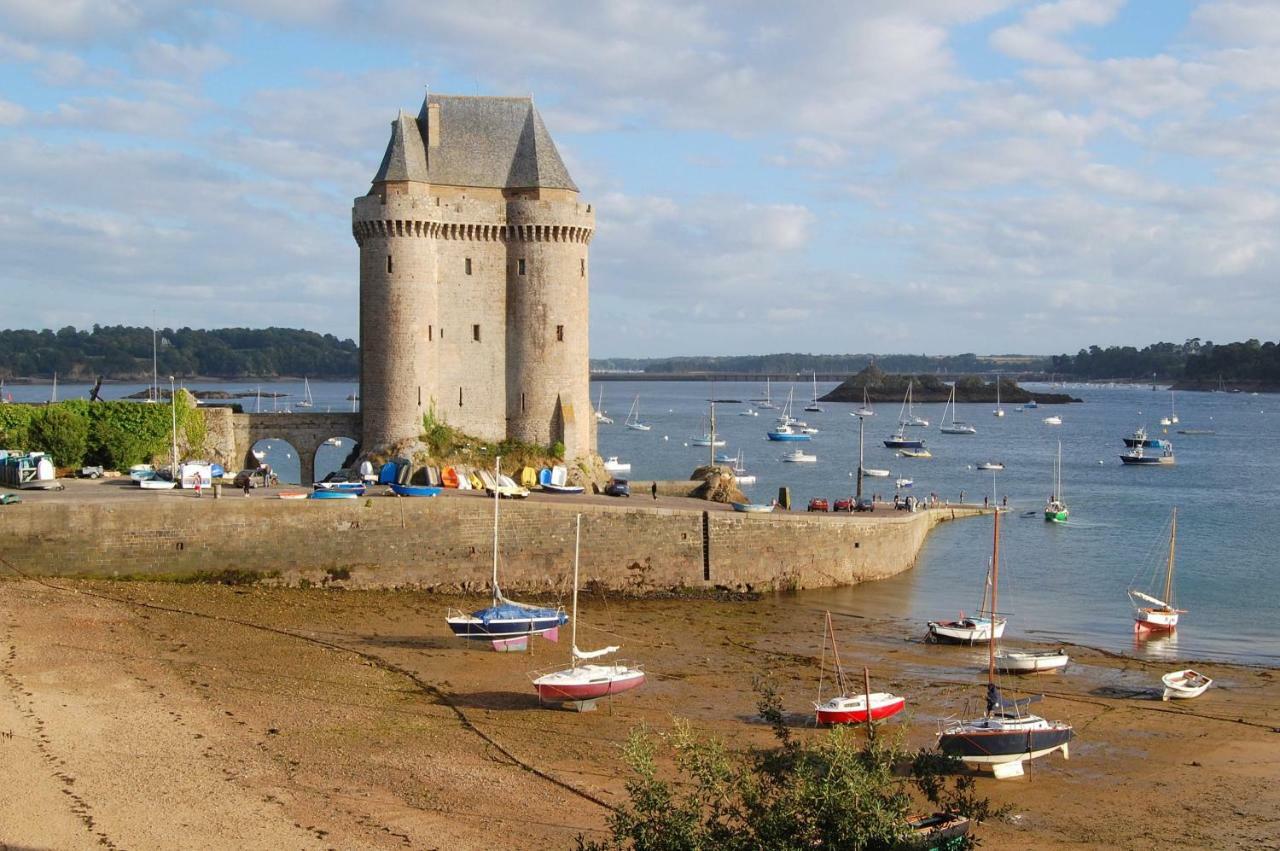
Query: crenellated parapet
{"points": [[471, 232]]}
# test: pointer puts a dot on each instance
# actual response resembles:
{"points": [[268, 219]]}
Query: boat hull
{"points": [[1003, 744], [471, 627], [1015, 662], [343, 494], [752, 508], [1148, 461], [1053, 516], [415, 490], [587, 682], [783, 437], [853, 710], [903, 443], [1155, 620], [1184, 685], [967, 631]]}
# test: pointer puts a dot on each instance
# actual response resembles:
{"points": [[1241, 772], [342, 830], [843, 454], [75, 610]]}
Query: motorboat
{"points": [[903, 483], [1139, 457], [613, 465], [875, 472], [915, 453], [787, 434], [1140, 438], [799, 456], [990, 465], [1054, 420], [900, 441], [1185, 684]]}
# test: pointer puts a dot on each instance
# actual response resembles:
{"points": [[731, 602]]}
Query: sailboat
{"points": [[601, 416], [912, 418], [982, 627], [866, 410], [845, 708], [1006, 735], [999, 411], [814, 406], [584, 684], [766, 404], [1160, 614], [740, 475], [899, 440], [1055, 510], [633, 417], [306, 401], [506, 623], [955, 426], [1172, 419]]}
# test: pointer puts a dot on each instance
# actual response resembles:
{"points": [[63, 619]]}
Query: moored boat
{"points": [[846, 708], [990, 465], [583, 684], [876, 472], [1006, 735], [1055, 510], [1159, 613], [908, 452], [1030, 661], [613, 465], [414, 490], [753, 507], [1140, 457]]}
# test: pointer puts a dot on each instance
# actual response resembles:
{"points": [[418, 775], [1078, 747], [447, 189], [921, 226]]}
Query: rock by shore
{"points": [[885, 388]]}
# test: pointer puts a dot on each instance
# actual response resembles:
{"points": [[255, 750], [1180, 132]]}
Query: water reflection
{"points": [[1155, 646]]}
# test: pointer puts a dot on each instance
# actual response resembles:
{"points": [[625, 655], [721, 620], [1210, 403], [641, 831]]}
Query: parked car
{"points": [[617, 487], [94, 472], [818, 504], [865, 504], [845, 504]]}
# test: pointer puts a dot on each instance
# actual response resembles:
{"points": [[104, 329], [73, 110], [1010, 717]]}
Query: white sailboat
{"points": [[814, 406], [633, 417], [1160, 614], [910, 417], [999, 411], [767, 403], [866, 410], [1172, 419], [306, 401], [601, 416], [740, 474], [955, 426], [581, 685]]}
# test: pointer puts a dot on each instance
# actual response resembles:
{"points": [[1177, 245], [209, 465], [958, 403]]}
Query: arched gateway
{"points": [[305, 432]]}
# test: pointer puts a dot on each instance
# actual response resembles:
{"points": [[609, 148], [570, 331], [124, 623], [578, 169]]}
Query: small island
{"points": [[884, 387]]}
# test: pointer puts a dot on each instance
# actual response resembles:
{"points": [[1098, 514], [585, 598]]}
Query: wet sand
{"points": [[146, 715]]}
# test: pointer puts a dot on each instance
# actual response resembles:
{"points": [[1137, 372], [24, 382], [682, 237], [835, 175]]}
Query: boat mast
{"points": [[155, 377], [835, 653], [712, 462], [577, 542], [861, 420], [995, 585], [1168, 575], [497, 468]]}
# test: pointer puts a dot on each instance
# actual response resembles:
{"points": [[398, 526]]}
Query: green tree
{"points": [[61, 432]]}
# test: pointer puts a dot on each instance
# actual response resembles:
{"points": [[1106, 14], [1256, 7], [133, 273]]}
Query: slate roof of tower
{"points": [[497, 142]]}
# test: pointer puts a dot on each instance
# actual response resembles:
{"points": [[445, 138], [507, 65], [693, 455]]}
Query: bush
{"points": [[827, 793], [62, 433], [557, 450]]}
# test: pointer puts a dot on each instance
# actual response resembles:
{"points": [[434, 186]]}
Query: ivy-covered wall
{"points": [[116, 435]]}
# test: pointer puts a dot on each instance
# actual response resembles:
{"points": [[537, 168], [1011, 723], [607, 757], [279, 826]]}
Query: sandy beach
{"points": [[147, 715]]}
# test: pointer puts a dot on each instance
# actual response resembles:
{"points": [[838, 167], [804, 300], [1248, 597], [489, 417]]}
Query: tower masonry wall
{"points": [[527, 375]]}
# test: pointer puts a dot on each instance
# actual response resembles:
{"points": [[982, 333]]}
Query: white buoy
{"points": [[664, 437]]}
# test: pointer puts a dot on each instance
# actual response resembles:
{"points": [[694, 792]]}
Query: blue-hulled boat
{"points": [[899, 440], [505, 619], [353, 488], [1140, 438], [787, 433], [414, 490], [335, 494]]}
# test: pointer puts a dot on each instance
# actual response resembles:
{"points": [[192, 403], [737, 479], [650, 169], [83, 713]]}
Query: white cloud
{"points": [[11, 113], [1037, 37]]}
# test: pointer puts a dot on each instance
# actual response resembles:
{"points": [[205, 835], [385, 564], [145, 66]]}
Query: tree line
{"points": [[1193, 361], [797, 363], [124, 352]]}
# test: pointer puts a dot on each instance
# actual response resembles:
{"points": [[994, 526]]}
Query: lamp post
{"points": [[173, 407], [858, 494]]}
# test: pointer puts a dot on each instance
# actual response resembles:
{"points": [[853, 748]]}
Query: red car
{"points": [[818, 504], [844, 504]]}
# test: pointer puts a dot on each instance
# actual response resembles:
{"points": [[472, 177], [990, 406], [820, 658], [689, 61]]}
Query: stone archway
{"points": [[305, 432]]}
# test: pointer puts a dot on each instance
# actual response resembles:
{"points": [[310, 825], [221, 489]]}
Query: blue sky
{"points": [[933, 176]]}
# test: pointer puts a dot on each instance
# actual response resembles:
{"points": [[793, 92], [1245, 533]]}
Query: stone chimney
{"points": [[433, 125]]}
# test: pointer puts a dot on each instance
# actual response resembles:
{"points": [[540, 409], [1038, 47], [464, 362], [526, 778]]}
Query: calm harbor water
{"points": [[1059, 582]]}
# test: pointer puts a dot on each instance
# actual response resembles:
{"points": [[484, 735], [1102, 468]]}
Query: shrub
{"points": [[823, 793], [557, 450], [61, 432]]}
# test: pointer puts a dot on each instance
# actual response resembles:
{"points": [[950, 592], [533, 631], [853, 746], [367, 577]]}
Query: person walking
{"points": [[653, 489], [248, 483], [199, 481]]}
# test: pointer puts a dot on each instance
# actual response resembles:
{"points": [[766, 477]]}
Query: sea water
{"points": [[1059, 582]]}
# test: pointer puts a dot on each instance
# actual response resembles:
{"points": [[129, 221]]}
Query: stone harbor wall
{"points": [[445, 544]]}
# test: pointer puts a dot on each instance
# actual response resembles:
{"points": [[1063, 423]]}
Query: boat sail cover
{"points": [[593, 654], [507, 610], [1150, 599], [997, 701]]}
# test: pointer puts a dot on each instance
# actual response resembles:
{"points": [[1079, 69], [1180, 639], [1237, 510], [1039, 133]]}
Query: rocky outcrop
{"points": [[718, 485], [884, 387]]}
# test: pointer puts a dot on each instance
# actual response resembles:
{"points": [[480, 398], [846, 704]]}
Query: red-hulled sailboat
{"points": [[845, 708]]}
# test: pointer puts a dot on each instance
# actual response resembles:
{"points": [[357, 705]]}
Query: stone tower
{"points": [[473, 280]]}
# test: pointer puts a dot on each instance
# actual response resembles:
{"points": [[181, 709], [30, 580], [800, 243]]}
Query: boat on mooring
{"points": [[971, 630], [506, 623], [899, 439], [846, 708], [1139, 456], [581, 685], [1055, 510], [955, 426], [1006, 735], [1152, 613]]}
